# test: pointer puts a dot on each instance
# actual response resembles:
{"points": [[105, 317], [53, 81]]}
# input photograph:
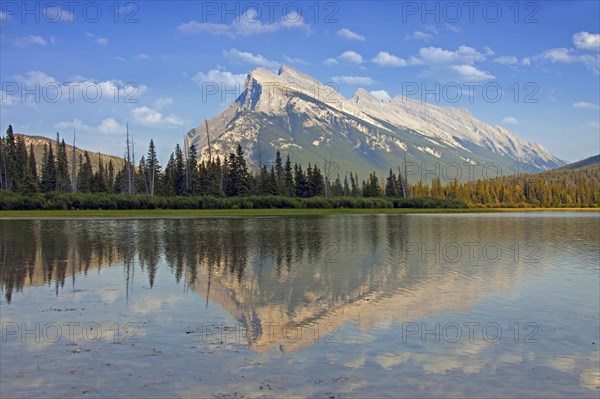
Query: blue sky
{"points": [[62, 62]]}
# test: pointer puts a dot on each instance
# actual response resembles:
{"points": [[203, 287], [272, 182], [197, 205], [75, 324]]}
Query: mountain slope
{"points": [[296, 114], [38, 150], [584, 162]]}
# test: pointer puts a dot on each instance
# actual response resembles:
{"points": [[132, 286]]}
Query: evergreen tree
{"points": [[153, 168], [63, 182], [193, 171], [390, 185], [48, 181], [288, 178]]}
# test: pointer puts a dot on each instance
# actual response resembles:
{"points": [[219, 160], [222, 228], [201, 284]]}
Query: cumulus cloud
{"points": [[510, 120], [351, 57], [470, 73], [507, 60], [294, 60], [70, 125], [418, 35], [450, 65], [220, 76], [585, 105], [587, 41], [381, 94], [464, 55], [29, 40], [568, 56], [330, 61], [149, 117], [246, 24], [111, 126], [101, 41], [162, 102], [348, 34], [79, 88], [245, 57], [384, 58], [353, 80]]}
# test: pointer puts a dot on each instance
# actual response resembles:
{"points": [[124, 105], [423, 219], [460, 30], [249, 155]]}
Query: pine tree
{"points": [[193, 170], [288, 178], [63, 182], [390, 186], [153, 168], [10, 159], [48, 181], [32, 163], [85, 176]]}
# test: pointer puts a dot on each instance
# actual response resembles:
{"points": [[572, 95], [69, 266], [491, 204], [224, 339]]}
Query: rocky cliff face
{"points": [[292, 112]]}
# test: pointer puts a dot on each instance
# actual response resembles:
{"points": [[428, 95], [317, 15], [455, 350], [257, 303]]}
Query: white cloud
{"points": [[74, 124], [464, 55], [507, 60], [348, 34], [220, 77], [453, 28], [245, 25], [245, 57], [418, 35], [381, 94], [351, 57], [149, 117], [384, 58], [330, 61], [353, 80], [470, 73], [567, 56], [488, 51], [101, 41], [79, 88], [294, 60], [592, 125], [111, 126], [585, 105], [510, 120], [162, 102], [56, 14], [25, 41], [587, 41]]}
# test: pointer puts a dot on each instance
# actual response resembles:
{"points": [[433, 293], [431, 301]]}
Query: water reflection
{"points": [[366, 275], [290, 270]]}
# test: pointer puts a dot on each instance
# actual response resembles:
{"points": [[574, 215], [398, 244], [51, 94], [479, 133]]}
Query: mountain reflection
{"points": [[291, 271]]}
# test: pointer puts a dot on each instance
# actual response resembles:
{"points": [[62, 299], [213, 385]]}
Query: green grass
{"points": [[202, 213]]}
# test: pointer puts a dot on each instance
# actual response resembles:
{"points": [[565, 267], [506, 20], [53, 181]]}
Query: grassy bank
{"points": [[78, 201], [202, 213]]}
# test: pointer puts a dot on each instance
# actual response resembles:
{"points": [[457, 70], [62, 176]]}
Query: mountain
{"points": [[38, 150], [584, 162], [299, 115]]}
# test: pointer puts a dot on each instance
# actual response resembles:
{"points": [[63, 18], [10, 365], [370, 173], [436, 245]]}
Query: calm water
{"points": [[310, 306]]}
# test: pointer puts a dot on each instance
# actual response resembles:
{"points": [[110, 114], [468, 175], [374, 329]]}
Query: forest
{"points": [[187, 182]]}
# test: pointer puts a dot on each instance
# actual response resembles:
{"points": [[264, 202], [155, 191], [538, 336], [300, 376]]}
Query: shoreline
{"points": [[207, 213]]}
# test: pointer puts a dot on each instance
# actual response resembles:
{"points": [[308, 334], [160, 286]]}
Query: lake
{"points": [[435, 305]]}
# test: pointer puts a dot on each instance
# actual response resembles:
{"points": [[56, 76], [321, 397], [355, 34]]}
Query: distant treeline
{"points": [[187, 182]]}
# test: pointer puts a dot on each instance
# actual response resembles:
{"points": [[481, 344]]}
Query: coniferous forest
{"points": [[65, 181]]}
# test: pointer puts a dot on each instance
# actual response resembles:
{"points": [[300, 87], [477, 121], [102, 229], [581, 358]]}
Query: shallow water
{"points": [[312, 306]]}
